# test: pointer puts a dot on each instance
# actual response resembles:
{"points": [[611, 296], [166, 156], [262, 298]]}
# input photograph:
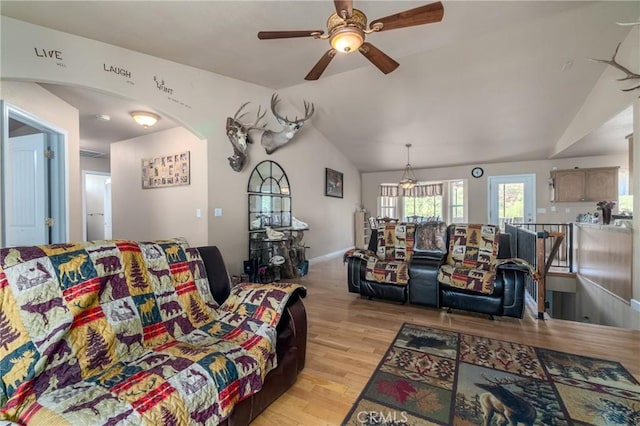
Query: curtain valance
{"points": [[389, 190], [427, 190]]}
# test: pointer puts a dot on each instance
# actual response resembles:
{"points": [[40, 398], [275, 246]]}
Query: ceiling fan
{"points": [[347, 28]]}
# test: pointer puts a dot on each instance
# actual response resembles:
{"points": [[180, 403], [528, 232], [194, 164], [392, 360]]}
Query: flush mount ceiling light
{"points": [[144, 118], [408, 180]]}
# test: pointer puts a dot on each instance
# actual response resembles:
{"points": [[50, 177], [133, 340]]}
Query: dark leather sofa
{"points": [[357, 283], [290, 348], [507, 299]]}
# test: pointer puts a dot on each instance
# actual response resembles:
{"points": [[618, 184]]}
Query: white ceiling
{"points": [[494, 81]]}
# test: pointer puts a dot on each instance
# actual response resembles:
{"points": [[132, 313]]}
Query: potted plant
{"points": [[606, 207]]}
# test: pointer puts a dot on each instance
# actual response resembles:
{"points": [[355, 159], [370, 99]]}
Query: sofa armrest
{"points": [[293, 326], [217, 274], [514, 279], [514, 267], [430, 258], [356, 270]]}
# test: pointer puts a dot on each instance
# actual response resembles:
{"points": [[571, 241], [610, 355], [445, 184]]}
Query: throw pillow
{"points": [[431, 236]]}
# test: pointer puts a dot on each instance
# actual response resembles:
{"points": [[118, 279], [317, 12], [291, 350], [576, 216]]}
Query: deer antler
{"points": [[629, 74], [235, 116], [238, 134], [258, 118], [309, 109]]}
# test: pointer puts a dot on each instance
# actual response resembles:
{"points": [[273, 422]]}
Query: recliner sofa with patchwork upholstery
{"points": [[464, 266]]}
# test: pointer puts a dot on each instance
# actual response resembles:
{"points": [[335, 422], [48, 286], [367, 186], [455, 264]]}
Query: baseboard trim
{"points": [[635, 305], [328, 256]]}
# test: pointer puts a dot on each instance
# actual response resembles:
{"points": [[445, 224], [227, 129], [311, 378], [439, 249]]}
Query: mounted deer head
{"points": [[271, 140], [238, 134]]}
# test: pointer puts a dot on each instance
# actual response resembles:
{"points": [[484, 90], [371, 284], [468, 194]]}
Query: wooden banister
{"points": [[543, 265]]}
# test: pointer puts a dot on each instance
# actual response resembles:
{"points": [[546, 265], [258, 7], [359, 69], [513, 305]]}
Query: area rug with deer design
{"points": [[433, 376]]}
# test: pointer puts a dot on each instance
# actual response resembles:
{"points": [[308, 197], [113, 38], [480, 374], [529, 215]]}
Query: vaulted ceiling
{"points": [[494, 81]]}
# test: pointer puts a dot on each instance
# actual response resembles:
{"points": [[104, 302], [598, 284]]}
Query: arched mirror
{"points": [[269, 197]]}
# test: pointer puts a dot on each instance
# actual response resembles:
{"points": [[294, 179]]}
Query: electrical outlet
{"points": [[217, 211], [567, 210], [554, 209]]}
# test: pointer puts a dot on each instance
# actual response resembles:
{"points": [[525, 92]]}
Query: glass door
{"points": [[512, 199]]}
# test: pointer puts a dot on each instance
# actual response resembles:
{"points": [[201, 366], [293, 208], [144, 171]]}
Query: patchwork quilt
{"points": [[118, 332], [473, 250], [396, 242], [380, 271]]}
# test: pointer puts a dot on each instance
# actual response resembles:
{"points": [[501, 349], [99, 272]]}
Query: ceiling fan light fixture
{"points": [[347, 39], [144, 118], [408, 180]]}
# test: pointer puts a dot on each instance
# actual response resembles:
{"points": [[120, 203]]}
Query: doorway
{"points": [[512, 199], [96, 205], [33, 180]]}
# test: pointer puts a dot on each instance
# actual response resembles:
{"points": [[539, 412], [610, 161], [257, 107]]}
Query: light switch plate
{"points": [[217, 211]]}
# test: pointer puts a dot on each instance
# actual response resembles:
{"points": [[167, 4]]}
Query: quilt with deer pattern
{"points": [[471, 259], [119, 332]]}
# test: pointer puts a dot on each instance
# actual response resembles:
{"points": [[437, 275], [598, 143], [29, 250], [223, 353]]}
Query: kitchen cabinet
{"points": [[590, 184]]}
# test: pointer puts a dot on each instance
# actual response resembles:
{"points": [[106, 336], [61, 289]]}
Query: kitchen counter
{"points": [[609, 228]]}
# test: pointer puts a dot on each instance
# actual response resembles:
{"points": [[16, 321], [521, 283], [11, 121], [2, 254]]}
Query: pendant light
{"points": [[408, 180]]}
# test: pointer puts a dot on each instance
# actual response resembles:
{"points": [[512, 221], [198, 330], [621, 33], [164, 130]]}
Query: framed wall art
{"points": [[333, 183], [167, 170]]}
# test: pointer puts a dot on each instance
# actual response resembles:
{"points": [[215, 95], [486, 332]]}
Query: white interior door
{"points": [[512, 199], [97, 205], [25, 186]]}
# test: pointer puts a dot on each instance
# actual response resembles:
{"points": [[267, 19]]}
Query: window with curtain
{"points": [[444, 200], [422, 202], [388, 201], [456, 202]]}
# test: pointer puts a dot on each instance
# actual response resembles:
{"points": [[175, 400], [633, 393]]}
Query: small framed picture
{"points": [[333, 183]]}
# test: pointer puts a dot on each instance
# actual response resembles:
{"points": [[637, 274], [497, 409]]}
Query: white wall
{"points": [[478, 188], [606, 99], [303, 160], [601, 307], [158, 213], [101, 164], [201, 101]]}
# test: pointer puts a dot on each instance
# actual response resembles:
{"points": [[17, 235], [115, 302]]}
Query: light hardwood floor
{"points": [[348, 335]]}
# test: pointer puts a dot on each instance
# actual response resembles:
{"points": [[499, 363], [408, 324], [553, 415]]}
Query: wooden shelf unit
{"points": [[362, 230]]}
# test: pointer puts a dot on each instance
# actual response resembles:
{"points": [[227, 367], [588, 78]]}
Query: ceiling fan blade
{"points": [[322, 64], [268, 35], [346, 5], [426, 14], [378, 58]]}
